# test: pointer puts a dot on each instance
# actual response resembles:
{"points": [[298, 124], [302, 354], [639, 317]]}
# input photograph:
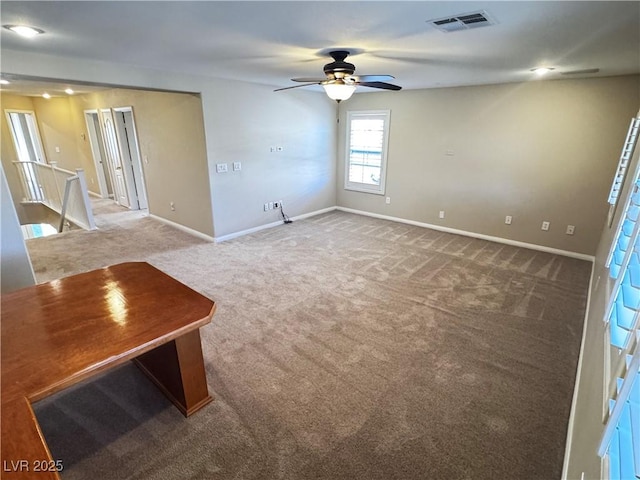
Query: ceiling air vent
{"points": [[463, 21]]}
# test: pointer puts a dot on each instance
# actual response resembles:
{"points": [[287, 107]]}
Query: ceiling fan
{"points": [[340, 81]]}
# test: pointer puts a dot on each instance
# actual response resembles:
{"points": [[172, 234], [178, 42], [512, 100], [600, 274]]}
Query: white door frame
{"points": [[99, 161], [130, 152], [120, 188]]}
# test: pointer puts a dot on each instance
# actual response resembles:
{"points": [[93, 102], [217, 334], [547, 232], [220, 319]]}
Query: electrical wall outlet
{"points": [[441, 214], [545, 226], [387, 200], [570, 229], [508, 219], [222, 168], [272, 205]]}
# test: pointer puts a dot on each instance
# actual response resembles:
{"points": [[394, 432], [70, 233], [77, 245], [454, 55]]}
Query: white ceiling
{"points": [[271, 42]]}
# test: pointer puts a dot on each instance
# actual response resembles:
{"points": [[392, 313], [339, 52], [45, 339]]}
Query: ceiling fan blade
{"points": [[371, 78], [383, 85], [297, 86], [308, 79]]}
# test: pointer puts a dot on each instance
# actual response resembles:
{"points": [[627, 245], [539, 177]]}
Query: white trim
{"points": [[576, 386], [188, 230], [506, 241], [620, 399], [98, 162], [542, 248], [134, 156], [365, 187], [230, 236], [36, 141]]}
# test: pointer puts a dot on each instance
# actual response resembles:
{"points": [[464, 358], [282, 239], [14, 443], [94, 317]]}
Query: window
{"points": [[621, 438], [626, 231], [26, 139], [366, 156], [620, 443], [621, 171]]}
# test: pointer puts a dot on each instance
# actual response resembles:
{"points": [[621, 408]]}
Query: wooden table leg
{"points": [[177, 368]]}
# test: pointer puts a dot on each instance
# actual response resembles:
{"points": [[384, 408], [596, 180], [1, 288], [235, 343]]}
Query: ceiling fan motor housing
{"points": [[339, 65]]}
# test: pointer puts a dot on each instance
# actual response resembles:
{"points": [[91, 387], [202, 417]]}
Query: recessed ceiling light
{"points": [[69, 91], [542, 70], [24, 30], [4, 82], [46, 95]]}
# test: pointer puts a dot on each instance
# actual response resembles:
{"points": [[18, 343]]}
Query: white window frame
{"points": [[364, 187], [622, 358], [19, 138], [621, 170], [617, 403]]}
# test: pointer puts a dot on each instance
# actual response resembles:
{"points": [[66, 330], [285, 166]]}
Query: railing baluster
{"points": [[40, 184]]}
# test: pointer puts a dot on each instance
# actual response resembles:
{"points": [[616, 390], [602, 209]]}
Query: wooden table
{"points": [[57, 334]]}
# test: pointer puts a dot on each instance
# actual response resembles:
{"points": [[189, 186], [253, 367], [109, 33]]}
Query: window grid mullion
{"points": [[623, 163], [623, 271], [621, 398], [625, 216]]}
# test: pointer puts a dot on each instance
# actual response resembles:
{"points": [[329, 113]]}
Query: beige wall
{"points": [[171, 138], [544, 150], [15, 266], [241, 122], [537, 151], [245, 121], [7, 148], [61, 128], [587, 427]]}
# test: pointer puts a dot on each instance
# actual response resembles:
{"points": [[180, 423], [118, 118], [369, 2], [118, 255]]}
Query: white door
{"points": [[96, 141], [130, 154], [113, 157]]}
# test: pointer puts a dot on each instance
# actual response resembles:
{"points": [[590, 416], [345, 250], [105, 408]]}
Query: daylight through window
{"points": [[366, 157]]}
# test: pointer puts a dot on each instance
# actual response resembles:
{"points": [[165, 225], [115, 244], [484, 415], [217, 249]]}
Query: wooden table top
{"points": [[59, 333], [56, 334]]}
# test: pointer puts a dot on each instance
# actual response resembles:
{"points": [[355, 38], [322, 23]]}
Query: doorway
{"points": [[130, 151], [96, 141], [120, 187], [120, 154]]}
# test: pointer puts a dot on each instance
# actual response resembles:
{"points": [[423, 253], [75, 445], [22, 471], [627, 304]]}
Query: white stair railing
{"points": [[45, 183]]}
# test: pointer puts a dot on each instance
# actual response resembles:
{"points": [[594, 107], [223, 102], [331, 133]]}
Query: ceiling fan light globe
{"points": [[339, 92]]}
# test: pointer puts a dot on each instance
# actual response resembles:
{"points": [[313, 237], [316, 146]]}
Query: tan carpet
{"points": [[344, 347]]}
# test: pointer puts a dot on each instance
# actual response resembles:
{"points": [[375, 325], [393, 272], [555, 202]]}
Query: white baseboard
{"points": [[481, 236], [230, 236], [576, 386], [188, 230], [506, 241]]}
